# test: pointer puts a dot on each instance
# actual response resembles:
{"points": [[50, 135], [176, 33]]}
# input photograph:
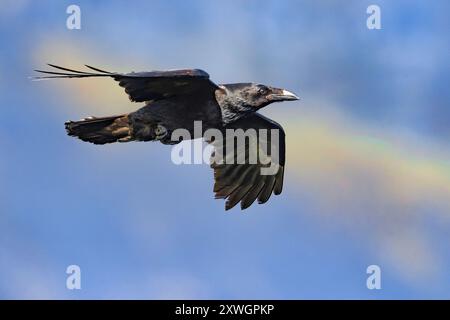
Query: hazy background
{"points": [[368, 161]]}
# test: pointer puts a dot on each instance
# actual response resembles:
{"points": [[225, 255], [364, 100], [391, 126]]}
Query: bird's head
{"points": [[256, 96]]}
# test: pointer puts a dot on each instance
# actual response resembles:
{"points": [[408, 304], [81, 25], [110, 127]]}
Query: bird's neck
{"points": [[233, 107]]}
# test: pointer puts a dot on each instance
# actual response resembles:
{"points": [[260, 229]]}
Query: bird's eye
{"points": [[262, 90]]}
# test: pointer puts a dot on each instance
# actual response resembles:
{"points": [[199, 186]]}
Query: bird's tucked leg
{"points": [[147, 130], [160, 132]]}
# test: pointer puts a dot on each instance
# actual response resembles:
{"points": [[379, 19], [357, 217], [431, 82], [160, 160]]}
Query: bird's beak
{"points": [[282, 95]]}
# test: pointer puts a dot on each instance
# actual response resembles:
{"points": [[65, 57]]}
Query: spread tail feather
{"points": [[101, 130]]}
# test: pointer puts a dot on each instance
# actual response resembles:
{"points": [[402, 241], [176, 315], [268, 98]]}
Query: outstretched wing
{"points": [[249, 171], [146, 86]]}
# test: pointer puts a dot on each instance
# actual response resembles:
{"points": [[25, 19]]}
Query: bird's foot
{"points": [[160, 132]]}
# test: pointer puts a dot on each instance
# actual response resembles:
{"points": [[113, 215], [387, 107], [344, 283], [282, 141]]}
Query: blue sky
{"points": [[367, 176]]}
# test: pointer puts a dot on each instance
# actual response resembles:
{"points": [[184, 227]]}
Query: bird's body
{"points": [[179, 99]]}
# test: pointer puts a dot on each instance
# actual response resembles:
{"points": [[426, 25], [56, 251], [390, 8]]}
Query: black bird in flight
{"points": [[175, 99]]}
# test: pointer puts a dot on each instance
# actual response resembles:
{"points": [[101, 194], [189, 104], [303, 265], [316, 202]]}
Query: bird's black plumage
{"points": [[175, 100]]}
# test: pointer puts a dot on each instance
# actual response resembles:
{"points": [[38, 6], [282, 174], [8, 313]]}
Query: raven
{"points": [[176, 99]]}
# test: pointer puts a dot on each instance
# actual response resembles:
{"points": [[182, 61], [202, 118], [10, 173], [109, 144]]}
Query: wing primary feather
{"points": [[236, 196], [251, 196], [65, 76], [61, 73], [244, 187], [267, 190], [228, 176], [234, 184], [96, 69], [67, 69], [279, 181]]}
